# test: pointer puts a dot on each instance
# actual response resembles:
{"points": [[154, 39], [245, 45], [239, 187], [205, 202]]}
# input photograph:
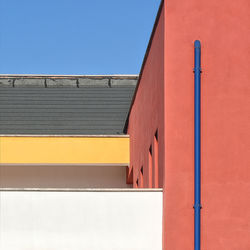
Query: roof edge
{"points": [[144, 62], [71, 136], [134, 190], [32, 76]]}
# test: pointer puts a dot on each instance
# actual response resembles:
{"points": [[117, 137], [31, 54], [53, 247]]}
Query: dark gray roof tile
{"points": [[6, 82], [55, 83], [24, 83], [123, 82], [65, 110], [88, 82]]}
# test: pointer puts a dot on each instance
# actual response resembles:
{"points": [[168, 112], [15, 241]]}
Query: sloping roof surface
{"points": [[65, 105]]}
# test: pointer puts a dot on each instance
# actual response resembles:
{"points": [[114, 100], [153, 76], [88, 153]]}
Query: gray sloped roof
{"points": [[82, 105]]}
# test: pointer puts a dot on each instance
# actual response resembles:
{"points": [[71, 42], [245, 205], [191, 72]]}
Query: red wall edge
{"points": [[147, 112]]}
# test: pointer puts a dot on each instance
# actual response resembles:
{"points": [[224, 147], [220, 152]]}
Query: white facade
{"points": [[81, 220]]}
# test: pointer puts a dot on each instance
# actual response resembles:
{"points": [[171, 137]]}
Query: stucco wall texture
{"points": [[223, 27], [147, 113]]}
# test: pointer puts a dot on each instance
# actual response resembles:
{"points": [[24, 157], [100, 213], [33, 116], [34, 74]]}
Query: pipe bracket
{"points": [[197, 69], [197, 206]]}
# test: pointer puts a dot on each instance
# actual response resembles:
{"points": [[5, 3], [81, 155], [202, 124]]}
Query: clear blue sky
{"points": [[74, 36]]}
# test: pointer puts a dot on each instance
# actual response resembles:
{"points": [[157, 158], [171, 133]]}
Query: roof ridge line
{"points": [[68, 76]]}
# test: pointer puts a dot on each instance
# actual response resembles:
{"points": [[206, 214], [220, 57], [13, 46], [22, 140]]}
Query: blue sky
{"points": [[74, 36]]}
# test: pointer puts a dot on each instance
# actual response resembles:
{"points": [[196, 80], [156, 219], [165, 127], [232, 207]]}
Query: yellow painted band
{"points": [[64, 150]]}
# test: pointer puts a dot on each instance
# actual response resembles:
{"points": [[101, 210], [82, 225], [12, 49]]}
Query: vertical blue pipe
{"points": [[197, 143]]}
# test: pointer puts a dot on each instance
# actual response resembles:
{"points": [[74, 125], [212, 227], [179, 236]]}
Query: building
{"points": [[64, 162], [135, 135]]}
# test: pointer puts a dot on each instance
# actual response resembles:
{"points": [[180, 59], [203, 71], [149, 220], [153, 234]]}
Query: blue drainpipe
{"points": [[197, 143]]}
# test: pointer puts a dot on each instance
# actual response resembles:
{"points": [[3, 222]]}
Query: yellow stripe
{"points": [[64, 150]]}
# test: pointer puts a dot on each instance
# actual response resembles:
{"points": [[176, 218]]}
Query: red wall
{"points": [[147, 113], [165, 100], [224, 30]]}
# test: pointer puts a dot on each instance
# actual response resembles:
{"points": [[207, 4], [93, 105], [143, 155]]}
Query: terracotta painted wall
{"points": [[224, 30], [147, 114]]}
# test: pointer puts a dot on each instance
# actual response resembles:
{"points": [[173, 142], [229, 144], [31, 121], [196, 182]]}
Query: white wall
{"points": [[63, 176], [80, 220]]}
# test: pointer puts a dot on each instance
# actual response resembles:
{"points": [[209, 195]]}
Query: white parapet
{"points": [[94, 219]]}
